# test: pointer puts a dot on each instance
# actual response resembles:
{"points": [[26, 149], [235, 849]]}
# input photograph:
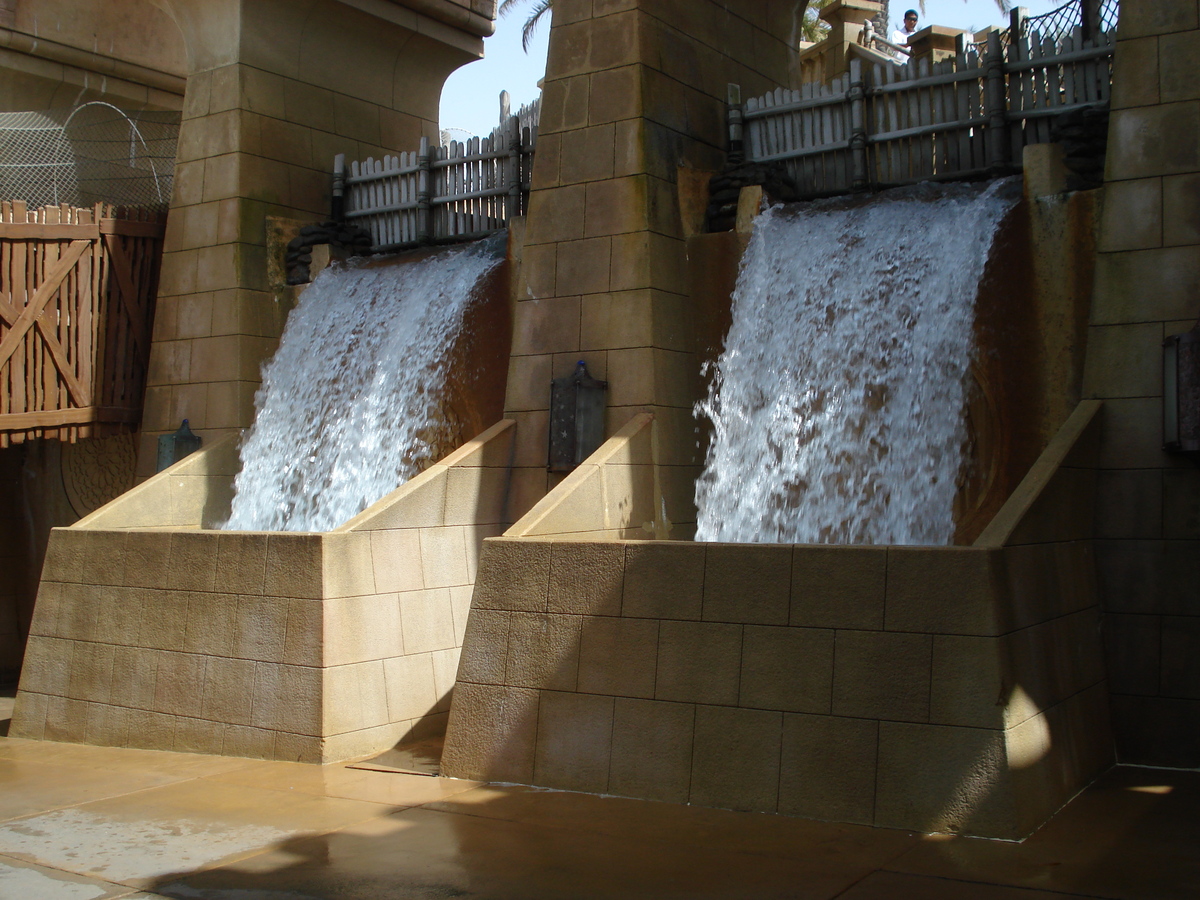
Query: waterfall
{"points": [[837, 404], [351, 404]]}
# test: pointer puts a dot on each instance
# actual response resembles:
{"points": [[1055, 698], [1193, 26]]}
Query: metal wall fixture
{"points": [[576, 418], [1181, 392], [174, 447]]}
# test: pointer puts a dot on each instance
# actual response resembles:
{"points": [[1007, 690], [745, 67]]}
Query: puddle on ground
{"points": [[413, 757]]}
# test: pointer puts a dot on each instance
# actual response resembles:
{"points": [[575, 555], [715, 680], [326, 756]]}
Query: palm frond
{"points": [[540, 8]]}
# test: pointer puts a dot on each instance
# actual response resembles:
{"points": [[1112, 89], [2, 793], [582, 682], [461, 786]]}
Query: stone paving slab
{"points": [[94, 823], [31, 882], [1135, 833]]}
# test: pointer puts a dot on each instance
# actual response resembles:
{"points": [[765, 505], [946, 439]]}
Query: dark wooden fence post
{"points": [[857, 95], [733, 101], [1090, 14], [513, 130], [423, 186], [996, 104], [338, 204]]}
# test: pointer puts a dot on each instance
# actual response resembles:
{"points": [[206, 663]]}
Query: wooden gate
{"points": [[77, 291]]}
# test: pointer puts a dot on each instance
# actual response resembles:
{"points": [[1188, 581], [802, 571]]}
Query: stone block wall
{"points": [[309, 647], [634, 91], [868, 685], [1148, 287], [928, 688], [46, 484], [275, 91]]}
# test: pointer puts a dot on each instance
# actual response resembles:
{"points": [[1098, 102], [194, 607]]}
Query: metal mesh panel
{"points": [[88, 154], [1068, 17]]}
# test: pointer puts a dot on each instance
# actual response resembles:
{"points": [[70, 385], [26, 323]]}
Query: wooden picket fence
{"points": [[884, 125], [77, 292], [458, 192]]}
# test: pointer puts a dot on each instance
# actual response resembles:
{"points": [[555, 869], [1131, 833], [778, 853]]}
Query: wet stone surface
{"points": [[94, 823]]}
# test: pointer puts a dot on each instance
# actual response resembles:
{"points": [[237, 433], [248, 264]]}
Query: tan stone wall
{"points": [[145, 652], [309, 647], [136, 31], [60, 52], [261, 126], [850, 684], [1148, 285], [46, 484], [634, 89], [928, 688]]}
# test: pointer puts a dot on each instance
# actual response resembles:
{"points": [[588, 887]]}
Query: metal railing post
{"points": [[423, 232], [857, 95]]}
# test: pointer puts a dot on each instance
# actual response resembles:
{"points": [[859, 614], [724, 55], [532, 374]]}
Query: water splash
{"points": [[350, 405], [837, 405]]}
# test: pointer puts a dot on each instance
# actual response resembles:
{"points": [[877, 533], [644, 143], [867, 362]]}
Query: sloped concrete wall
{"points": [[150, 632], [617, 493], [930, 688]]}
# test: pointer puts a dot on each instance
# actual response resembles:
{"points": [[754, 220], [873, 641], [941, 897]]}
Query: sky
{"points": [[471, 98]]}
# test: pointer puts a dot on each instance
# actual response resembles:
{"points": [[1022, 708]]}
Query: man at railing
{"points": [[868, 38], [901, 35]]}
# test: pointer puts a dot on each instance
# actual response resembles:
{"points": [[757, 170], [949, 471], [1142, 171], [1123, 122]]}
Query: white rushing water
{"points": [[837, 404], [349, 406]]}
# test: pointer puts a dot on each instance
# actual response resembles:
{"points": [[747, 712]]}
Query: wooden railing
{"points": [[434, 194], [77, 291], [969, 115]]}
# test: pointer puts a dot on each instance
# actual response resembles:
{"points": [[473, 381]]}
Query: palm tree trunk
{"points": [[883, 22]]}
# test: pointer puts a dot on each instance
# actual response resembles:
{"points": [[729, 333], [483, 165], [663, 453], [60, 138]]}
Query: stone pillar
{"points": [[275, 89], [634, 96], [1148, 287], [846, 19], [934, 43]]}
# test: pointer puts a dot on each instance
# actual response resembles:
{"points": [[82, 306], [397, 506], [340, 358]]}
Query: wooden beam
{"points": [[79, 394], [55, 418], [34, 231], [130, 228], [8, 312], [119, 265]]}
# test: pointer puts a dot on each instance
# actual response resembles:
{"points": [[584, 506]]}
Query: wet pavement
{"points": [[86, 823]]}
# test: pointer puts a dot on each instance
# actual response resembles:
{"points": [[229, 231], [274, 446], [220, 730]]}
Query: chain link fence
{"points": [[87, 154]]}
